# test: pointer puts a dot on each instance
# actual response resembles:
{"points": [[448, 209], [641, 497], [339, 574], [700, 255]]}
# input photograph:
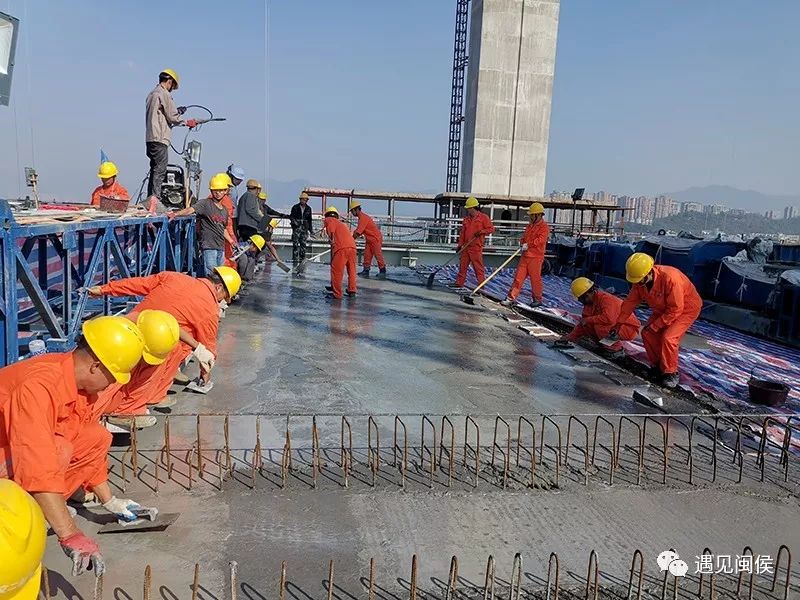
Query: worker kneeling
{"points": [[109, 187], [246, 263], [534, 244], [675, 304], [195, 304], [373, 240], [50, 445], [343, 253], [599, 317]]}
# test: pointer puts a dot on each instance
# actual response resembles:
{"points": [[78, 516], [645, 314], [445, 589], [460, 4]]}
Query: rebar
{"points": [[452, 579], [747, 550], [689, 457], [592, 580], [196, 581], [664, 439], [403, 465], [547, 419], [781, 550], [316, 467], [412, 592], [134, 450], [762, 446], [554, 585], [234, 572], [282, 582], [147, 584], [45, 583], [256, 466], [451, 451], [516, 578], [712, 594], [347, 452], [371, 586], [585, 450], [373, 455], [431, 451], [476, 449], [532, 451], [98, 588], [640, 447], [715, 428], [507, 452], [488, 586], [611, 449], [636, 554], [330, 580], [199, 451]]}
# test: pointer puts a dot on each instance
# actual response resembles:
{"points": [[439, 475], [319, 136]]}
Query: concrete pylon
{"points": [[512, 56]]}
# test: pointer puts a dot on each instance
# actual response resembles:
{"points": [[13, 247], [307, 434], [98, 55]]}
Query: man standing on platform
{"points": [[373, 240], [474, 229], [300, 219]]}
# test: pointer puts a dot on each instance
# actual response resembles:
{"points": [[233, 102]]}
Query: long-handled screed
{"points": [[432, 276], [470, 299], [309, 259]]}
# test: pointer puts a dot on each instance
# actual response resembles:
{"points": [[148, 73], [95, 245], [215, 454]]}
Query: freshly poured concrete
{"points": [[400, 348]]}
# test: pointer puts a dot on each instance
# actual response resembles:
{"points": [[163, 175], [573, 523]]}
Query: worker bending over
{"points": [[343, 253], [300, 220], [474, 229], [675, 304], [23, 537], [214, 231], [50, 445], [195, 305], [246, 263], [373, 240], [599, 317], [268, 210], [109, 187], [534, 244]]}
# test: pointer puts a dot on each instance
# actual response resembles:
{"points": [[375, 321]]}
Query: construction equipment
{"points": [[470, 298], [309, 259], [432, 276], [148, 519]]}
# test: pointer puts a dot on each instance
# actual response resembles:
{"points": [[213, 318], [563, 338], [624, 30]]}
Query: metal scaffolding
{"points": [[457, 94]]}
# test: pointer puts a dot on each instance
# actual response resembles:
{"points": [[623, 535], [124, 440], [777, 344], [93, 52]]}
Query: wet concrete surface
{"points": [[400, 348]]}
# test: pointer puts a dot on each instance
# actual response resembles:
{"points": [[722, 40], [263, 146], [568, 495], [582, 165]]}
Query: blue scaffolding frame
{"points": [[45, 268]]}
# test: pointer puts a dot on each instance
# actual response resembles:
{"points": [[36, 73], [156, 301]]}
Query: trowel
{"points": [[147, 519], [608, 342], [199, 386]]}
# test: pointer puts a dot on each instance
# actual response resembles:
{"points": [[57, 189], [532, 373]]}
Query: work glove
{"points": [[122, 507], [84, 554], [181, 110], [191, 123], [204, 356], [524, 247]]}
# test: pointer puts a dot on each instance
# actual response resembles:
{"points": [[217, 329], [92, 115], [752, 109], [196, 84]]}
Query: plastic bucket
{"points": [[766, 392]]}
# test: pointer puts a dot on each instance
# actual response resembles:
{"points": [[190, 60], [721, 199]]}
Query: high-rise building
{"points": [[770, 214], [644, 210], [665, 207], [790, 212]]}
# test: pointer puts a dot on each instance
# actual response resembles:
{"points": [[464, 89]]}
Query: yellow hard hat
{"points": [[331, 209], [219, 182], [252, 183], [23, 536], [274, 223], [117, 343], [580, 286], [107, 169], [303, 196], [230, 278], [172, 74], [638, 266], [262, 195], [536, 209], [161, 334], [355, 204], [258, 241], [472, 202]]}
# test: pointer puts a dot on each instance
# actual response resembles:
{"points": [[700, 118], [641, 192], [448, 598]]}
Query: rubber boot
{"points": [[382, 273], [671, 380], [364, 273]]}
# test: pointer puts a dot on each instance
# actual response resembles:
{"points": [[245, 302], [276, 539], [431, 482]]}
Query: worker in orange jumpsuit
{"points": [[50, 444], [599, 317], [534, 244], [343, 253], [474, 229], [195, 305], [373, 240], [675, 304], [109, 187]]}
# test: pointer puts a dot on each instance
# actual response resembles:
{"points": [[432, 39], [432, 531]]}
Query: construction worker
{"points": [[599, 316], [109, 187], [50, 445], [161, 115], [373, 240], [161, 333], [343, 253], [246, 263], [195, 304], [534, 244], [23, 536], [300, 219], [474, 229], [249, 211], [675, 304], [213, 223], [268, 210]]}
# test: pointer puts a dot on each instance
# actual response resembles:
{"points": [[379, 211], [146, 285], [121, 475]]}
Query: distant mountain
{"points": [[731, 197]]}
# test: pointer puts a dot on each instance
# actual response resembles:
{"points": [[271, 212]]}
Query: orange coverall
{"points": [[480, 225], [600, 317], [228, 204], [343, 254], [115, 190], [373, 240], [194, 305], [530, 263], [49, 439], [675, 304]]}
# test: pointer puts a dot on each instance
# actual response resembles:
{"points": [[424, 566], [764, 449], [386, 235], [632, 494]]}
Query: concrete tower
{"points": [[512, 55]]}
